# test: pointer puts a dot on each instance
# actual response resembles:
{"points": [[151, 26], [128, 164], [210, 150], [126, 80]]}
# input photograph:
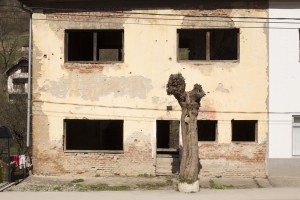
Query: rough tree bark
{"points": [[190, 103]]}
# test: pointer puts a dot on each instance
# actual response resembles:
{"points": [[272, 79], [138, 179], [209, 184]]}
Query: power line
{"points": [[156, 14], [151, 118], [167, 24], [164, 14], [176, 19], [151, 24], [159, 109]]}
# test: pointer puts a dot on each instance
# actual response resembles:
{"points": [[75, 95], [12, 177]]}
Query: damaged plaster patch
{"points": [[93, 86], [207, 22], [221, 88], [138, 141], [137, 137], [155, 99]]}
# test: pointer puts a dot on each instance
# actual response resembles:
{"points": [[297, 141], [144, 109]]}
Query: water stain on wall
{"points": [[93, 86]]}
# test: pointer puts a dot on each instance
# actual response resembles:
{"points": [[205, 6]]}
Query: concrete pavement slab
{"points": [[285, 181]]}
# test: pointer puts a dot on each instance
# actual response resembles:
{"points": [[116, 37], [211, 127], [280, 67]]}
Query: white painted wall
{"points": [[284, 76], [10, 85]]}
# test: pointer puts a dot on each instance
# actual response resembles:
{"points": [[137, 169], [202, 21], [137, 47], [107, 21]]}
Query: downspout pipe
{"points": [[29, 89]]}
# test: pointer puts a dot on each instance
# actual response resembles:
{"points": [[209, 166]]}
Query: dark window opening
{"points": [[20, 87], [167, 134], [80, 46], [17, 81], [110, 46], [208, 44], [24, 69], [100, 45], [207, 130], [244, 130], [93, 134]]}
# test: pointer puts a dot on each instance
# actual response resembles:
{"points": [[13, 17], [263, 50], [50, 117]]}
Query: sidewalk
{"points": [[204, 194], [284, 182], [270, 182]]}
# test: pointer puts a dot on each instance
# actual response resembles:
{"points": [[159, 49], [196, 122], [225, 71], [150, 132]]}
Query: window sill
{"points": [[95, 151], [209, 142], [207, 61], [167, 149], [93, 62], [90, 66], [243, 142]]}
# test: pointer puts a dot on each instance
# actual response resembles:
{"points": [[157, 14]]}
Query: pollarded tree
{"points": [[190, 103]]}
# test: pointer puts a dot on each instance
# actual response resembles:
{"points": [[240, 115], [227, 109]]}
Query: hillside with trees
{"points": [[14, 26], [13, 32]]}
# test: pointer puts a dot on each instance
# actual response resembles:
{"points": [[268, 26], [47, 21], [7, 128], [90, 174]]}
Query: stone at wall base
{"points": [[188, 188]]}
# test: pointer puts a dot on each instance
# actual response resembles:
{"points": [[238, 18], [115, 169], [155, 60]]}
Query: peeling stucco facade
{"points": [[134, 90]]}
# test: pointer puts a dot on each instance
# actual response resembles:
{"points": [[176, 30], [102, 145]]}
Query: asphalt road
{"points": [[234, 194]]}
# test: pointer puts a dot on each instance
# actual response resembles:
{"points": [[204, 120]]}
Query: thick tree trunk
{"points": [[190, 103], [189, 163]]}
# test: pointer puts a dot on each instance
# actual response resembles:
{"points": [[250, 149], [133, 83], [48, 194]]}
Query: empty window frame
{"points": [[296, 136], [167, 134], [244, 130], [93, 134], [208, 44], [207, 130], [24, 69], [94, 45]]}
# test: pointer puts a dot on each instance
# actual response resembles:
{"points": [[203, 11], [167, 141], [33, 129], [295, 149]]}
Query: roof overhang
{"points": [[142, 4], [21, 62]]}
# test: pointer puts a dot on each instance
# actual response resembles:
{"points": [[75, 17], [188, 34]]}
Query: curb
{"points": [[8, 185]]}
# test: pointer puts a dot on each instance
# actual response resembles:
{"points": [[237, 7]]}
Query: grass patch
{"points": [[151, 186], [101, 187], [57, 188], [169, 181], [217, 186], [80, 180], [145, 175], [155, 186], [185, 180]]}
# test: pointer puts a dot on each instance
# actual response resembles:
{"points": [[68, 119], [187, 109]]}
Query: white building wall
{"points": [[10, 84], [284, 87]]}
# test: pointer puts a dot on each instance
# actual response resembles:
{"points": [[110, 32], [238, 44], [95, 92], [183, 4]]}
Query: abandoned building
{"points": [[17, 81], [99, 75]]}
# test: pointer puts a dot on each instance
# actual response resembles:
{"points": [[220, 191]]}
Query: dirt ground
{"points": [[36, 183], [67, 183]]}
